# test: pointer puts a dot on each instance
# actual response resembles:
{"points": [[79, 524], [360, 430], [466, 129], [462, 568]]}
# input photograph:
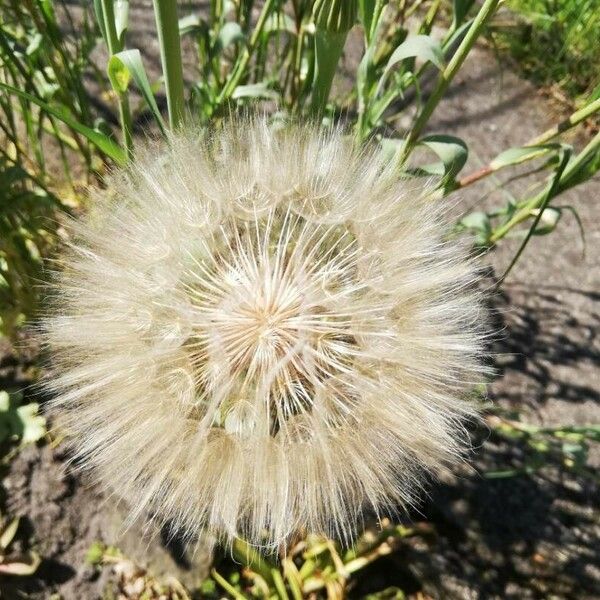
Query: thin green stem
{"points": [[573, 120], [167, 24], [244, 58], [227, 586], [251, 558], [114, 46], [446, 77], [544, 200]]}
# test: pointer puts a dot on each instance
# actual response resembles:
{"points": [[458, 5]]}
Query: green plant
{"points": [[565, 446], [287, 54], [19, 422], [49, 147], [554, 42], [39, 59], [27, 232], [315, 567]]}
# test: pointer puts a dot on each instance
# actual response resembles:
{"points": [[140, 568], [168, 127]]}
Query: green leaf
{"points": [[452, 151], [17, 421], [515, 156], [118, 75], [366, 10], [230, 34], [121, 20], [279, 22], [99, 12], [255, 90], [460, 8], [192, 24], [101, 141], [34, 425], [480, 223], [20, 568], [131, 61], [548, 220], [95, 553], [414, 46]]}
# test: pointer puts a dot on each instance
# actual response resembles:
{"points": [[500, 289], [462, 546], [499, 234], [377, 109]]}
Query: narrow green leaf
{"points": [[131, 61], [101, 141], [100, 19], [366, 11], [280, 22], [515, 156], [547, 196], [460, 8]]}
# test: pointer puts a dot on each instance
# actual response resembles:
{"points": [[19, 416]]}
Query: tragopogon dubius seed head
{"points": [[256, 333]]}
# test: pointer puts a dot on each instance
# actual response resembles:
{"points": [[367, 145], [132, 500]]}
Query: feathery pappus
{"points": [[256, 332]]}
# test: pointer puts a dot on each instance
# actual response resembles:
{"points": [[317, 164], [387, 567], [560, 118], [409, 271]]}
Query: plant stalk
{"points": [[246, 55], [112, 41], [251, 558], [446, 77], [571, 121], [167, 24]]}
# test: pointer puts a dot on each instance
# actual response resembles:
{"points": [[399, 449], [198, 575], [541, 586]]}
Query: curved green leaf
{"points": [[451, 150], [230, 33], [414, 46], [192, 24], [131, 61]]}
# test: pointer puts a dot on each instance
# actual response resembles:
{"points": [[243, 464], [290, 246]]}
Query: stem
{"points": [[227, 586], [484, 14], [251, 558], [167, 24], [570, 122], [592, 148], [570, 170], [544, 200], [244, 58], [574, 119], [112, 41]]}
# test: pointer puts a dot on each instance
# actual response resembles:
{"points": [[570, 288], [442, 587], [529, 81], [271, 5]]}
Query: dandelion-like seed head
{"points": [[260, 332]]}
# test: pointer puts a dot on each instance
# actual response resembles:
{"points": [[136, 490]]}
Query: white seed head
{"points": [[256, 333]]}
